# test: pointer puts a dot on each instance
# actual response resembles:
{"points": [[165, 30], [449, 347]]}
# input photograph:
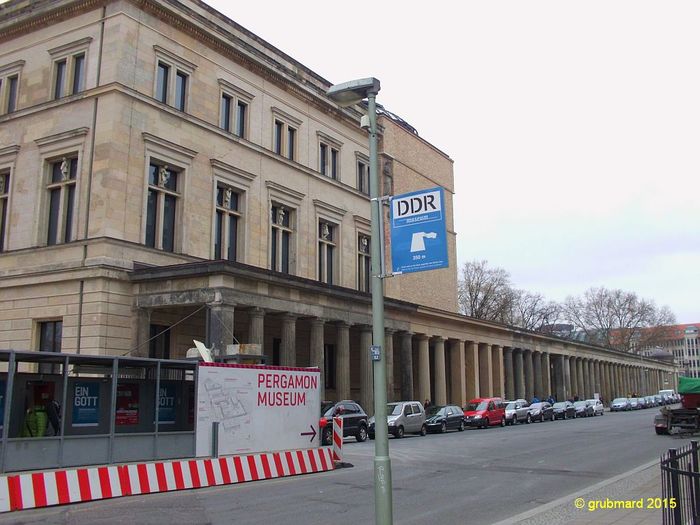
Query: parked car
{"points": [[564, 410], [583, 409], [634, 404], [651, 401], [660, 424], [542, 411], [442, 418], [517, 412], [619, 404], [355, 422], [659, 400], [598, 408], [403, 417], [483, 412], [642, 402]]}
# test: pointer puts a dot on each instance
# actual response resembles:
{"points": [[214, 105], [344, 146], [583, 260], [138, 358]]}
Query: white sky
{"points": [[574, 126]]}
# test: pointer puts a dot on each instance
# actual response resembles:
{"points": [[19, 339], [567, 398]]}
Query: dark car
{"points": [[583, 409], [542, 411], [564, 410], [442, 418], [354, 420]]}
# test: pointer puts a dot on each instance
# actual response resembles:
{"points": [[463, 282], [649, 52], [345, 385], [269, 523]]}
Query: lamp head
{"points": [[349, 93]]}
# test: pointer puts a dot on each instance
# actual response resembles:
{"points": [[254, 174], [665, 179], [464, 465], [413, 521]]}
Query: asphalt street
{"points": [[475, 477]]}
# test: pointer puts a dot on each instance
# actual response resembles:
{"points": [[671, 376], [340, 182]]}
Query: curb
{"points": [[571, 497], [59, 487]]}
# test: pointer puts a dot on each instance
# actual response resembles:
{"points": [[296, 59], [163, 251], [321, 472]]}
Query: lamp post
{"points": [[348, 94]]}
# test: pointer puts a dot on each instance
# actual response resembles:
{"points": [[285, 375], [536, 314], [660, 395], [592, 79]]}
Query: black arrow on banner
{"points": [[312, 433]]}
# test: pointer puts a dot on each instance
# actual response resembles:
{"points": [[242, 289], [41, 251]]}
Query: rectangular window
{"points": [[4, 199], [12, 84], [241, 116], [323, 159], [328, 160], [61, 188], [326, 251], [9, 86], [78, 73], [60, 78], [280, 239], [362, 177], [180, 90], [50, 335], [284, 136], [227, 220], [364, 263], [162, 83], [226, 102], [162, 203], [279, 126], [291, 142], [334, 163]]}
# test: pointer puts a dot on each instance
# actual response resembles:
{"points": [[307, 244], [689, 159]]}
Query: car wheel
{"points": [[399, 432], [529, 419], [443, 428], [361, 434], [327, 438], [485, 423], [461, 426], [503, 421], [424, 430]]}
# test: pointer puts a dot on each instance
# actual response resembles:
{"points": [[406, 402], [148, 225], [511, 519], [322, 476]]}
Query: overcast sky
{"points": [[574, 126]]}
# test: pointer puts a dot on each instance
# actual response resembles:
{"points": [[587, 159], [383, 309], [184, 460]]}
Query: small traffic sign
{"points": [[418, 231], [376, 352]]}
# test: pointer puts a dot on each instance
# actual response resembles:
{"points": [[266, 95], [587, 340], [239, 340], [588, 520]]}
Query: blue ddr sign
{"points": [[418, 232]]}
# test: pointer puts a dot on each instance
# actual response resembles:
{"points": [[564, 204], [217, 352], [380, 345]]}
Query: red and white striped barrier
{"points": [[337, 439], [58, 487]]}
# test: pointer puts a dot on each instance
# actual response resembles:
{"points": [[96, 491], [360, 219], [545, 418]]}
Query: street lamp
{"points": [[347, 94]]}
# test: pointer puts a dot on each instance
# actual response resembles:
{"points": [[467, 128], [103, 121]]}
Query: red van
{"points": [[483, 412]]}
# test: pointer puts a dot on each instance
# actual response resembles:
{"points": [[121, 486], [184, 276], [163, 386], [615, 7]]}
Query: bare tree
{"points": [[617, 319], [483, 292], [531, 310]]}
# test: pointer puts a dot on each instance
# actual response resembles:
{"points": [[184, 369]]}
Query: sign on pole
{"points": [[418, 231]]}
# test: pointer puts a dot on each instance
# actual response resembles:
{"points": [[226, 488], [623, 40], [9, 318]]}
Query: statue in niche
{"points": [[163, 176], [325, 231], [227, 197], [281, 215], [364, 245], [65, 169]]}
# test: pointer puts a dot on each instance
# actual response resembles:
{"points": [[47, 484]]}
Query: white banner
{"points": [[259, 408]]}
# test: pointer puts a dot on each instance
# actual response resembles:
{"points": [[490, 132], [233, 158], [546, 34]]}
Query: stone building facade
{"points": [[167, 175]]}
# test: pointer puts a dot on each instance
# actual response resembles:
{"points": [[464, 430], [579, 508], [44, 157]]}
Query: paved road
{"points": [[475, 477]]}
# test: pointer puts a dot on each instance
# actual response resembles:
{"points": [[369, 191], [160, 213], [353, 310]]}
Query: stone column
{"points": [[580, 385], [497, 379], [440, 372], [519, 373], [342, 362], [316, 354], [143, 332], [591, 379], [407, 366], [256, 327], [423, 368], [288, 350], [485, 373], [529, 375], [537, 369], [547, 378], [508, 370], [472, 362], [458, 395], [573, 375], [366, 372], [220, 326], [561, 367], [389, 356]]}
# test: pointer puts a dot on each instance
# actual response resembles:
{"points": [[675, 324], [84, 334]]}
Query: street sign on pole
{"points": [[418, 231]]}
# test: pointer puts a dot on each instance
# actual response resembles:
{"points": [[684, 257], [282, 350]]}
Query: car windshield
{"points": [[579, 404], [536, 405], [560, 405], [393, 409], [483, 405], [591, 401], [510, 406], [620, 400], [435, 410]]}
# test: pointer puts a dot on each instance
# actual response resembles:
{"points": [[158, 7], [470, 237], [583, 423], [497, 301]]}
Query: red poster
{"points": [[127, 404]]}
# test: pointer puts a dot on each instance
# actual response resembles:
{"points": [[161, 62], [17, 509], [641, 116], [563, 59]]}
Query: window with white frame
{"points": [[327, 238], [61, 186], [161, 207], [281, 238], [69, 71], [172, 79], [364, 263], [227, 223], [4, 203], [234, 112], [9, 86], [362, 164], [284, 134], [328, 156]]}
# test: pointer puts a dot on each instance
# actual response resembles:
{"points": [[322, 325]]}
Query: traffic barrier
{"points": [[59, 487], [337, 439]]}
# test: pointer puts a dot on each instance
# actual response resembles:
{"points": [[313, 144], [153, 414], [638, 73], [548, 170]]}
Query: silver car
{"points": [[517, 412], [620, 404], [598, 408], [403, 417]]}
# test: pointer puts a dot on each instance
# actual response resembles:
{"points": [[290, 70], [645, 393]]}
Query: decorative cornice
{"points": [[286, 116], [329, 208], [232, 170], [12, 67], [70, 47], [239, 92], [283, 190], [9, 151], [328, 139], [175, 58], [163, 143], [62, 137]]}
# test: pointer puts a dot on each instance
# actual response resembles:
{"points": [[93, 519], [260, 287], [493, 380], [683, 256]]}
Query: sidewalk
{"points": [[634, 486]]}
